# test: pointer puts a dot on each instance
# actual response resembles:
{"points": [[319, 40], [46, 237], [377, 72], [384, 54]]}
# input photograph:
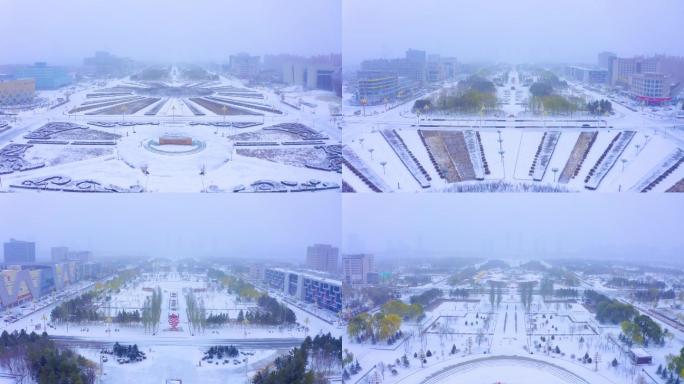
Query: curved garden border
{"points": [[197, 146]]}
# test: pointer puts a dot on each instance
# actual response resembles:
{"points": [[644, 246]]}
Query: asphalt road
{"points": [[257, 343]]}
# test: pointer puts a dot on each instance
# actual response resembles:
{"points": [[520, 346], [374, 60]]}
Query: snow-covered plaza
{"points": [[174, 135], [175, 349], [389, 148]]}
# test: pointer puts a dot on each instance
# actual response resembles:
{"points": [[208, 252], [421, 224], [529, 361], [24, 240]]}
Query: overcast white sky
{"points": [[512, 31], [501, 225], [65, 31], [174, 225]]}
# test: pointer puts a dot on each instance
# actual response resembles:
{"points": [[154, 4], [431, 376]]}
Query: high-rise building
{"points": [[104, 64], [413, 66], [623, 68], [605, 59], [357, 267], [89, 270], [322, 257], [416, 55], [59, 254], [244, 66], [13, 92], [671, 66], [18, 252], [652, 80], [45, 76]]}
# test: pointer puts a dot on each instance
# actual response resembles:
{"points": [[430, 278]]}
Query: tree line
{"points": [[636, 328], [269, 312], [37, 357], [196, 312], [78, 309], [126, 317], [384, 325], [471, 96], [307, 364], [426, 298], [235, 285], [608, 310], [151, 311], [526, 290]]}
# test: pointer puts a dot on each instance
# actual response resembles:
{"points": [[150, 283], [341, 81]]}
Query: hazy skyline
{"points": [[173, 225], [66, 31], [531, 226], [512, 31]]}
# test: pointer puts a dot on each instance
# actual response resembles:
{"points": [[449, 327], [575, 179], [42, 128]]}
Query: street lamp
{"points": [[482, 109], [371, 150], [383, 163], [555, 171]]}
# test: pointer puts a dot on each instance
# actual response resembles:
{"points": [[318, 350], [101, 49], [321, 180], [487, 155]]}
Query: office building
{"points": [[587, 74], [356, 268], [322, 257], [376, 87], [605, 59], [244, 66], [18, 252], [440, 69], [308, 287], [104, 64], [325, 293], [650, 88], [322, 72], [89, 270], [46, 77], [275, 278], [624, 68], [412, 66]]}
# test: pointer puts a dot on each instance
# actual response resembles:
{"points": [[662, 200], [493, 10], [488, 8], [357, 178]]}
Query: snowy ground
{"points": [[176, 354], [518, 135], [164, 363], [123, 164], [512, 346]]}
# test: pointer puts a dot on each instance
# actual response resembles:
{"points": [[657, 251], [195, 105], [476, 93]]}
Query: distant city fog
{"points": [[513, 31], [527, 226], [174, 225], [63, 32]]}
